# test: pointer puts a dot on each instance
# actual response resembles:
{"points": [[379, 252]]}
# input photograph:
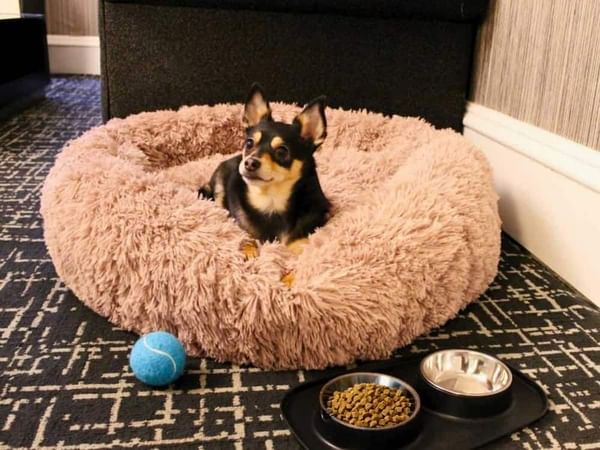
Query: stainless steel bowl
{"points": [[345, 381], [466, 373]]}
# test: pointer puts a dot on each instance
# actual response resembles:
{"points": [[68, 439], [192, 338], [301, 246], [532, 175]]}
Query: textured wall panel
{"points": [[72, 17], [539, 61]]}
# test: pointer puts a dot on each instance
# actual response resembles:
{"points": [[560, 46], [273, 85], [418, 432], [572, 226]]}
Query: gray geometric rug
{"points": [[64, 375]]}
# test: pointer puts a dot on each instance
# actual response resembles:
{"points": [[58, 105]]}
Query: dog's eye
{"points": [[282, 153], [249, 143]]}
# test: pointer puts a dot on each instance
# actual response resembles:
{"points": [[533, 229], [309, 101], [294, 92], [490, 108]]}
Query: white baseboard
{"points": [[74, 54], [549, 191]]}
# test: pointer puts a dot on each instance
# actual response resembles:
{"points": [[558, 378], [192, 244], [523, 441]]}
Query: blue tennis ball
{"points": [[157, 358]]}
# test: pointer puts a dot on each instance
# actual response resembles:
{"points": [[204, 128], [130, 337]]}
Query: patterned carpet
{"points": [[65, 381]]}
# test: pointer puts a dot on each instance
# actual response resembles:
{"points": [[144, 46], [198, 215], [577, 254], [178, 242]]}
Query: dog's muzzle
{"points": [[251, 164]]}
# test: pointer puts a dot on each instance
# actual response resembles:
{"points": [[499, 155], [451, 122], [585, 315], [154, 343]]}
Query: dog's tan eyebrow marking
{"points": [[276, 142], [256, 136]]}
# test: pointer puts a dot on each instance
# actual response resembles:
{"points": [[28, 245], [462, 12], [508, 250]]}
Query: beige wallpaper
{"points": [[10, 7], [72, 17], [539, 61]]}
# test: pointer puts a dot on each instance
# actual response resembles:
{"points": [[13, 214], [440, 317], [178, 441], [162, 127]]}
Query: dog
{"points": [[272, 189]]}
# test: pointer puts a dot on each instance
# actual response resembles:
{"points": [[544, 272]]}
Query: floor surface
{"points": [[64, 376]]}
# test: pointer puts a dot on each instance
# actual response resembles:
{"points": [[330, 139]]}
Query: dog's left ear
{"points": [[257, 107], [312, 122]]}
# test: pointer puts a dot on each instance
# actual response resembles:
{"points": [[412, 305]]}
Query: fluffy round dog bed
{"points": [[414, 237]]}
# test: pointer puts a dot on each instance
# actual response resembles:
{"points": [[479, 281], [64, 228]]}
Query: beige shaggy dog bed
{"points": [[414, 237]]}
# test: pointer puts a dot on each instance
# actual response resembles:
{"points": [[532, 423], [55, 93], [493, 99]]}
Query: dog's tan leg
{"points": [[219, 192], [297, 246], [250, 249], [288, 279]]}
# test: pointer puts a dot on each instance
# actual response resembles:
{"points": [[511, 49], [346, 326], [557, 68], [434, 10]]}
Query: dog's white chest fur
{"points": [[271, 199]]}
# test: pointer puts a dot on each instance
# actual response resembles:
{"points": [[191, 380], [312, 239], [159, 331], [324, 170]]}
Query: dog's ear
{"points": [[312, 122], [257, 107]]}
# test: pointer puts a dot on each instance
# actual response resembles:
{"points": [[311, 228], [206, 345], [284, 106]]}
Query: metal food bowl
{"points": [[465, 383], [343, 382], [351, 435], [465, 372]]}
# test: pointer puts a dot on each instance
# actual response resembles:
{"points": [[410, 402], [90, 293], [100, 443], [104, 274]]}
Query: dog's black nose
{"points": [[252, 164]]}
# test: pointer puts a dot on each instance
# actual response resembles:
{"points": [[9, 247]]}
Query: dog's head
{"points": [[275, 152]]}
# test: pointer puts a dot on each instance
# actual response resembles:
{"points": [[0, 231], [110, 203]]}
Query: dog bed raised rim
{"points": [[413, 238]]}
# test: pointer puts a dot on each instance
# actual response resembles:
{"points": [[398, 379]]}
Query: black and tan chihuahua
{"points": [[271, 189]]}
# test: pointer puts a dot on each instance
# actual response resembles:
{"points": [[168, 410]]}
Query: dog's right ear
{"points": [[312, 122], [257, 107]]}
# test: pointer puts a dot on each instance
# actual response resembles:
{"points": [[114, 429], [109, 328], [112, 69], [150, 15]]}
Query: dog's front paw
{"points": [[250, 249], [297, 246], [288, 279]]}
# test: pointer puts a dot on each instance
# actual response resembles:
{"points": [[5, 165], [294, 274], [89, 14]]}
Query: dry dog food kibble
{"points": [[370, 405]]}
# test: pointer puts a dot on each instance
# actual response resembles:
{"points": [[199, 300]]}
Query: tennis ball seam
{"points": [[160, 352]]}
